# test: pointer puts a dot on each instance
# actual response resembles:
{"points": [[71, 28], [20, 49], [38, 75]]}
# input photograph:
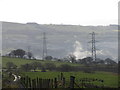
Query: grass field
{"points": [[19, 62], [110, 79]]}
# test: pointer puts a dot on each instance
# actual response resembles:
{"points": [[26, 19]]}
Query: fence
{"points": [[60, 82], [27, 82]]}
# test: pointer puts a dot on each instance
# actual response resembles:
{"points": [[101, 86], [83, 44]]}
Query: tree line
{"points": [[20, 53], [43, 67]]}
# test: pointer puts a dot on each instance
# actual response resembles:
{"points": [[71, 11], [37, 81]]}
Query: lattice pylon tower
{"points": [[44, 46], [93, 46]]}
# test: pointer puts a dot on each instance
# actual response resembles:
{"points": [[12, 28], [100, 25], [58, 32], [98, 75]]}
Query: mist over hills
{"points": [[61, 39]]}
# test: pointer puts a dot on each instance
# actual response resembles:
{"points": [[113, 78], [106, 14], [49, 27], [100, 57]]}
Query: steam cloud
{"points": [[80, 53]]}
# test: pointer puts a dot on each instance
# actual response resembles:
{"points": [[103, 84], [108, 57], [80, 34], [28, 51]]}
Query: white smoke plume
{"points": [[79, 52]]}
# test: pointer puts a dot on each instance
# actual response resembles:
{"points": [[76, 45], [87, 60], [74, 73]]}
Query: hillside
{"points": [[19, 62], [61, 39]]}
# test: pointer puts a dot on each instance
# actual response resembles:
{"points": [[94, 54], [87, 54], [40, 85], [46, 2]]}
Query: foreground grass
{"points": [[110, 79]]}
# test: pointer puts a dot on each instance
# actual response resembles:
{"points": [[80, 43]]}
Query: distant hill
{"points": [[61, 39]]}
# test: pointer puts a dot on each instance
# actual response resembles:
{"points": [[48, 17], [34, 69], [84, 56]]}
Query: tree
{"points": [[39, 65], [43, 69], [17, 53], [30, 55], [12, 54], [87, 60], [50, 66], [102, 61], [48, 57], [109, 61], [36, 65], [11, 65], [26, 67], [72, 58], [65, 68], [20, 53]]}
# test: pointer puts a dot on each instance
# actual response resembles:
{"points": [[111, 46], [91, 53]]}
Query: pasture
{"points": [[19, 62], [110, 79]]}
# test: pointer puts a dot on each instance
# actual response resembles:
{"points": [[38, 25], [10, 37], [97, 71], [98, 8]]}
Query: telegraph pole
{"points": [[93, 42], [44, 46]]}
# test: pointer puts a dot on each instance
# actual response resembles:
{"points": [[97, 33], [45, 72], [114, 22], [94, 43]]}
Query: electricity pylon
{"points": [[44, 46], [93, 42]]}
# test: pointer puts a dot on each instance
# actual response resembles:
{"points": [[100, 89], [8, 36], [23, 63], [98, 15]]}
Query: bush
{"points": [[65, 68], [26, 67], [43, 69], [88, 70], [11, 65], [50, 66], [36, 65]]}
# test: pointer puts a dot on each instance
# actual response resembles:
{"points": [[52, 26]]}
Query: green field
{"points": [[110, 79], [19, 62]]}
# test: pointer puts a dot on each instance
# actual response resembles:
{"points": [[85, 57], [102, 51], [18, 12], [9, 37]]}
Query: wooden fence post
{"points": [[82, 83], [72, 81], [33, 83], [43, 83], [29, 83], [24, 79], [61, 76], [48, 83], [55, 83], [51, 83], [63, 83], [37, 82], [40, 83]]}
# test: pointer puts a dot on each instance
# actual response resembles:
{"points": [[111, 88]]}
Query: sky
{"points": [[74, 12]]}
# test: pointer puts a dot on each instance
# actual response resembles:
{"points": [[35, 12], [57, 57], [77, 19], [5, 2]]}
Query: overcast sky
{"points": [[76, 12]]}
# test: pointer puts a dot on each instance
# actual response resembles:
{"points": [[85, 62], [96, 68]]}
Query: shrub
{"points": [[26, 67], [65, 68], [11, 65], [50, 66]]}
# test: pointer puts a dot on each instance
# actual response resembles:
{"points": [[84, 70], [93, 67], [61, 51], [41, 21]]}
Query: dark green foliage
{"points": [[109, 61], [11, 65], [30, 55], [88, 70], [43, 69], [35, 65], [65, 68], [26, 67], [72, 58], [48, 57], [17, 53], [50, 66]]}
